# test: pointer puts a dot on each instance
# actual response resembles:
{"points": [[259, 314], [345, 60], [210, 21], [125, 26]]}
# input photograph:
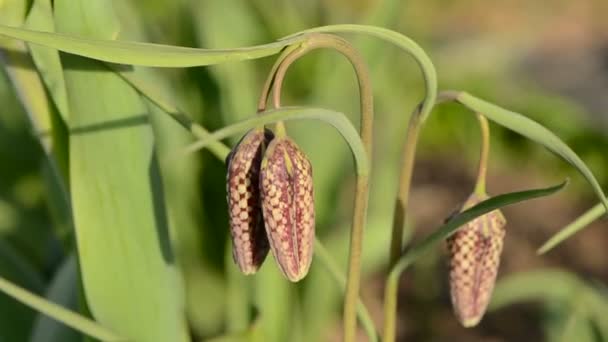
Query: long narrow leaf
{"points": [[536, 132], [459, 220], [129, 274], [137, 53], [63, 290], [580, 223], [336, 119], [59, 313]]}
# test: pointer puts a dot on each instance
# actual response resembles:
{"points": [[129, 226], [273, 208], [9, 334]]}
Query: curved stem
{"points": [[401, 203], [404, 43], [336, 119], [366, 321], [399, 221], [318, 41], [271, 75], [484, 129], [270, 81]]}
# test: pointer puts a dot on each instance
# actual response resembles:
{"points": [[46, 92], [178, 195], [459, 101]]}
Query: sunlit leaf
{"points": [[137, 53], [536, 132]]}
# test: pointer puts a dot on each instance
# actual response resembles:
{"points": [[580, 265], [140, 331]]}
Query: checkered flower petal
{"points": [[288, 206], [249, 241], [474, 256]]}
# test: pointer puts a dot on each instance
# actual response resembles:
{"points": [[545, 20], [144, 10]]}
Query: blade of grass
{"points": [[16, 319], [146, 54], [182, 184], [40, 18], [62, 290], [118, 202], [57, 312], [536, 132], [336, 119], [237, 82], [552, 286], [580, 223], [153, 92], [25, 79]]}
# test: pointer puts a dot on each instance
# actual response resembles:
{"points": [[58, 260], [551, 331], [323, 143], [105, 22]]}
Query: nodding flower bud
{"points": [[288, 206], [474, 256], [249, 241]]}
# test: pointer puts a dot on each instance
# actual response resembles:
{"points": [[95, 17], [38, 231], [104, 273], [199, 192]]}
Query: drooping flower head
{"points": [[249, 241], [288, 206], [474, 256]]}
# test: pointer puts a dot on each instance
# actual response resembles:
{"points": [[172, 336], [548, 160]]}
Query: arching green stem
{"points": [[536, 132], [348, 132], [336, 119], [318, 41], [402, 201], [404, 43], [280, 126]]}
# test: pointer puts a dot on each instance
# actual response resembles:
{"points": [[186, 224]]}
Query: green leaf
{"points": [[439, 235], [459, 220], [28, 85], [16, 319], [536, 132], [541, 285], [553, 286], [326, 259], [336, 119], [581, 222], [47, 60], [130, 278], [59, 313], [146, 54], [406, 44], [237, 26], [63, 290]]}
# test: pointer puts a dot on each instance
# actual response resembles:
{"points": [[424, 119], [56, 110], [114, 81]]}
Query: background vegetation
{"points": [[551, 65]]}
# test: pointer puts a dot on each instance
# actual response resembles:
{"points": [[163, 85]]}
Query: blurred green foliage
{"points": [[35, 238]]}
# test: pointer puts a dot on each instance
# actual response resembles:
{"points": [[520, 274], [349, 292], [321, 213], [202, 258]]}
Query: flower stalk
{"points": [[318, 41], [401, 204]]}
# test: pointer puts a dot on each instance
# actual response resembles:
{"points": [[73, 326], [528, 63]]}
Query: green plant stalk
{"points": [[404, 43], [58, 312], [402, 201], [439, 235], [405, 177], [326, 259], [318, 41], [336, 119], [280, 126], [266, 89], [286, 113], [541, 135], [156, 96], [482, 170], [408, 158]]}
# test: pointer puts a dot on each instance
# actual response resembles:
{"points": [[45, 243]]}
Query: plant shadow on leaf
{"points": [[160, 209]]}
